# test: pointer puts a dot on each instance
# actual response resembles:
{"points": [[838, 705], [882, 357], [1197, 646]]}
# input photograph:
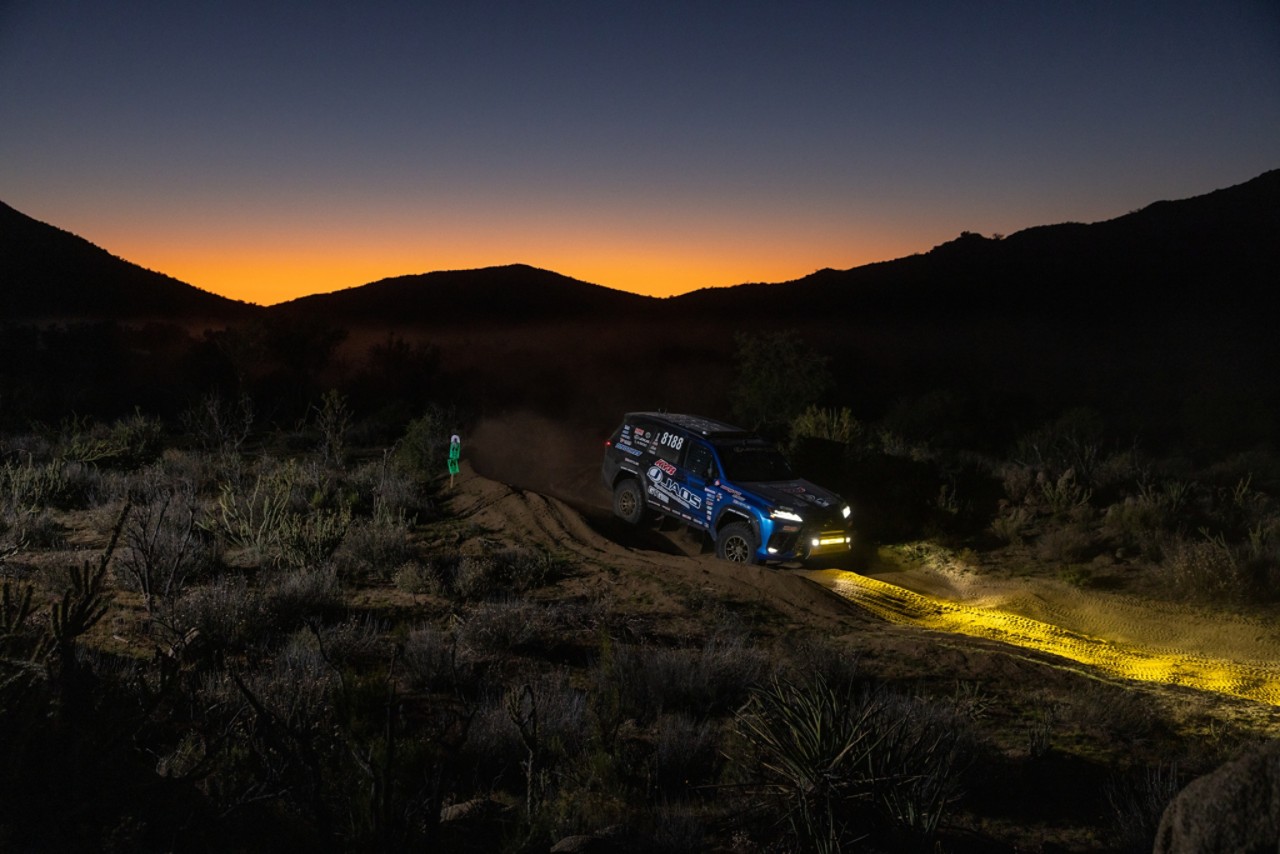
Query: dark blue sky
{"points": [[265, 150]]}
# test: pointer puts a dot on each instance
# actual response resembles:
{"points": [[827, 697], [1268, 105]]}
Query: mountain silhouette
{"points": [[50, 274], [1217, 253], [516, 293]]}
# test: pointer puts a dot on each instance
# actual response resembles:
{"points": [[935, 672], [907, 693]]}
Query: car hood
{"points": [[799, 495]]}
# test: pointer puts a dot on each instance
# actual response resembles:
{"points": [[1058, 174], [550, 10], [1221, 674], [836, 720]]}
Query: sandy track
{"points": [[1116, 635], [1119, 636], [654, 563]]}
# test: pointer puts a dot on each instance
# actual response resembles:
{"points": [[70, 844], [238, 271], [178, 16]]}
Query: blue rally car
{"points": [[726, 481]]}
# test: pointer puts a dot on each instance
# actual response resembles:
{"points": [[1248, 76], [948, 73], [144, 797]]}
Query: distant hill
{"points": [[1217, 253], [511, 294], [50, 274]]}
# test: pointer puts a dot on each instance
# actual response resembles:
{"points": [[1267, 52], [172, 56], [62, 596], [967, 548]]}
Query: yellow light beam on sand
{"points": [[1259, 682]]}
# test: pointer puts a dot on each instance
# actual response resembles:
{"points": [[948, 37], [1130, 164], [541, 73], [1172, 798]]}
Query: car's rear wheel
{"points": [[628, 501], [736, 542]]}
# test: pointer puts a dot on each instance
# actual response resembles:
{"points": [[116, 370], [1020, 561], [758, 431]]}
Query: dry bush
{"points": [[1141, 521], [702, 681], [677, 828], [1063, 495], [431, 660], [506, 746], [385, 488], [1138, 800], [416, 577], [499, 626], [375, 547], [1124, 715], [295, 595], [1207, 569], [493, 574], [685, 755], [227, 614], [350, 642], [166, 548], [1071, 543], [1012, 524]]}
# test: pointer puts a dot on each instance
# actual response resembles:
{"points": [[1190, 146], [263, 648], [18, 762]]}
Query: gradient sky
{"points": [[265, 150]]}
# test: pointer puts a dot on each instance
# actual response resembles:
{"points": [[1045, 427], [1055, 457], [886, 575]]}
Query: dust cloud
{"points": [[532, 452]]}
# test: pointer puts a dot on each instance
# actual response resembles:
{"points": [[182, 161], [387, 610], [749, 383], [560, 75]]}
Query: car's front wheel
{"points": [[628, 501], [736, 542]]}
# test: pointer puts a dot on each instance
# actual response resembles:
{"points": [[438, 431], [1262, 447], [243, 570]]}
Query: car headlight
{"points": [[786, 516], [845, 511]]}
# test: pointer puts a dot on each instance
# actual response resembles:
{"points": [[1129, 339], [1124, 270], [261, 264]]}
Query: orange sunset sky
{"points": [[268, 151]]}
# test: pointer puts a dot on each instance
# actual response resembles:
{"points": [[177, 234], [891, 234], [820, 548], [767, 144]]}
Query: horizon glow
{"points": [[265, 153]]}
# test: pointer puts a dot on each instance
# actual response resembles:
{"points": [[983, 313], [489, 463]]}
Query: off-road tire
{"points": [[736, 543], [628, 501]]}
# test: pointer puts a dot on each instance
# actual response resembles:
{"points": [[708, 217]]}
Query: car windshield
{"points": [[753, 462]]}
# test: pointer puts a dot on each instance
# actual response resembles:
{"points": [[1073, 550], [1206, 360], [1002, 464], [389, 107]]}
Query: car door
{"points": [[702, 477], [665, 479]]}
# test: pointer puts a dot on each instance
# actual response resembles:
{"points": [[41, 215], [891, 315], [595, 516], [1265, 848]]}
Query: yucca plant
{"points": [[814, 746]]}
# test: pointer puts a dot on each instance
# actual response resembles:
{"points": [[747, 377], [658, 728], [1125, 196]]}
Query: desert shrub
{"points": [[414, 576], [685, 755], [502, 625], [917, 765], [352, 641], [677, 828], [1063, 495], [1122, 714], [219, 425], [226, 613], [809, 747], [1070, 543], [252, 516], [496, 573], [1012, 524], [835, 663], [1018, 482], [1138, 800], [830, 425], [1143, 521], [310, 539], [387, 489], [332, 417], [295, 594], [702, 681], [523, 735], [1072, 442], [126, 443], [28, 487], [424, 448], [286, 513], [1207, 569], [166, 548], [37, 529], [431, 661], [778, 376], [377, 547]]}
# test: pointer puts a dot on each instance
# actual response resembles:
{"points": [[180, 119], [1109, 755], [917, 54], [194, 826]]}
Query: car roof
{"points": [[708, 428]]}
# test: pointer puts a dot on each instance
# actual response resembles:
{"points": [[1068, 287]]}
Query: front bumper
{"points": [[794, 542]]}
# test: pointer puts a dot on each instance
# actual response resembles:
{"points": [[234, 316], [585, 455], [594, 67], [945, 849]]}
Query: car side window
{"points": [[701, 463], [670, 446]]}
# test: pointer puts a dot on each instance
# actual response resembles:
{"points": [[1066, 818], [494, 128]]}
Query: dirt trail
{"points": [[1116, 635], [654, 562]]}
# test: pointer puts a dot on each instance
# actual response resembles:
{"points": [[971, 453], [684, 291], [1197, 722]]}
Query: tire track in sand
{"points": [[1251, 680]]}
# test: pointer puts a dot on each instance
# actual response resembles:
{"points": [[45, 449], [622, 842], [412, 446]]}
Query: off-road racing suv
{"points": [[723, 480]]}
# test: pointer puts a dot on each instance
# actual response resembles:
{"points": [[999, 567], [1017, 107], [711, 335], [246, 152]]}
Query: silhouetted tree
{"points": [[779, 375]]}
